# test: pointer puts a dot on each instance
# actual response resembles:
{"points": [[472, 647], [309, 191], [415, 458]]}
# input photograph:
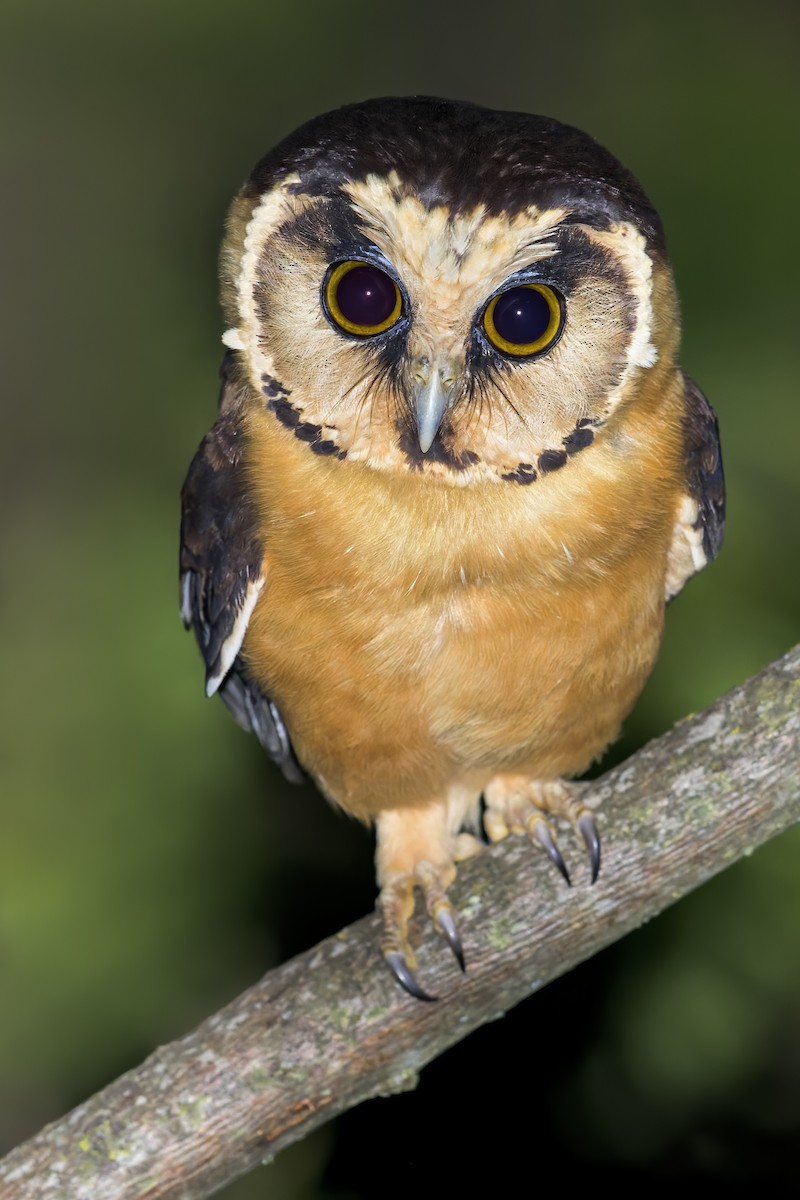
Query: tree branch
{"points": [[331, 1028]]}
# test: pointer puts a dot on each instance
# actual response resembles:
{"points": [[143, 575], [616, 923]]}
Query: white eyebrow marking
{"points": [[468, 249]]}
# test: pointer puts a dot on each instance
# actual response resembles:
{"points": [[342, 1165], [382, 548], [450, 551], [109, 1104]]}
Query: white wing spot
{"points": [[233, 642], [232, 338], [186, 598]]}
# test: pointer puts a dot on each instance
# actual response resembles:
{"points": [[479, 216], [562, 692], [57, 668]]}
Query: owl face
{"points": [[421, 285]]}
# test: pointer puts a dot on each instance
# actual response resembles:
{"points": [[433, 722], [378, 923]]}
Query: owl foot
{"points": [[516, 804], [401, 837], [397, 905]]}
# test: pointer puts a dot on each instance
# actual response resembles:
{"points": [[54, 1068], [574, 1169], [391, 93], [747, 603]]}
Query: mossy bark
{"points": [[331, 1028]]}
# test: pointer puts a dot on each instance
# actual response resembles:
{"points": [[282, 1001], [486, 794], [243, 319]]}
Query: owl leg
{"points": [[517, 804], [418, 848]]}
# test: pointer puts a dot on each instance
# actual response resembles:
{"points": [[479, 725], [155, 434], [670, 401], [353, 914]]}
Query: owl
{"points": [[456, 475]]}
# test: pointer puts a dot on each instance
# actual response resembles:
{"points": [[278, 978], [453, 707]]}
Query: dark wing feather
{"points": [[700, 518], [221, 574], [704, 476]]}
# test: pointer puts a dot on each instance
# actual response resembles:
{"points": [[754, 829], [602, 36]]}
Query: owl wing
{"points": [[700, 524], [221, 573]]}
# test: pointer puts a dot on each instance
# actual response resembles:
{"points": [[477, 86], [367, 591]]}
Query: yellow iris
{"points": [[554, 318], [351, 300]]}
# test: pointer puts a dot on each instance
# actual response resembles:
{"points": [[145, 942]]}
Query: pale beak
{"points": [[431, 400]]}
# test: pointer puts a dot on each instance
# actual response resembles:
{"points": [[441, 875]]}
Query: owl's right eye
{"points": [[361, 299]]}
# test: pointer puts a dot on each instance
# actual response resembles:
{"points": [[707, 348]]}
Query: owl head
{"points": [[425, 285]]}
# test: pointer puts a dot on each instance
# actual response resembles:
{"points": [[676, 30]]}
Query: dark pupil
{"points": [[366, 296], [521, 315]]}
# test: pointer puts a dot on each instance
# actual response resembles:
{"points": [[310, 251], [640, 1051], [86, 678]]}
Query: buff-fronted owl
{"points": [[456, 475]]}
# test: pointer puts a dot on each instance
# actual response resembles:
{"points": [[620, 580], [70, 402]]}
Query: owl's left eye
{"points": [[525, 321], [361, 299]]}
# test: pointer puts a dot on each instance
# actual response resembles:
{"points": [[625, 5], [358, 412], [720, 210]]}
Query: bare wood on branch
{"points": [[330, 1029]]}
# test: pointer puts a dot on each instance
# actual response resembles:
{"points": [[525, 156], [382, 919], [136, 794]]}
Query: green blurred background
{"points": [[152, 863]]}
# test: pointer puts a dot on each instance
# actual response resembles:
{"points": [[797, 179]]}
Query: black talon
{"points": [[447, 927], [591, 839], [405, 976], [545, 839]]}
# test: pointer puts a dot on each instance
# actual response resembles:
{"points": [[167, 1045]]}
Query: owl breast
{"points": [[438, 635]]}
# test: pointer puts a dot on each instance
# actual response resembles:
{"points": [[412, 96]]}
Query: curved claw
{"points": [[405, 976], [591, 840], [445, 923], [541, 833]]}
